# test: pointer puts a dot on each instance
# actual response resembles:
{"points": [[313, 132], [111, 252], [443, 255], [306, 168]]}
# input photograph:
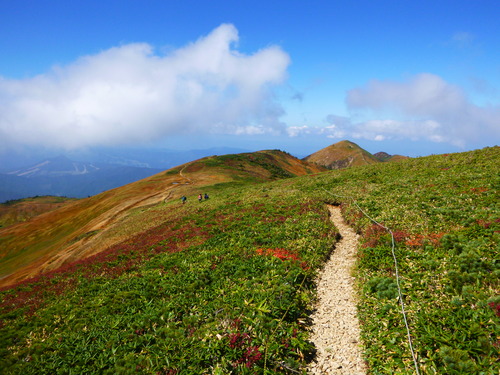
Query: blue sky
{"points": [[405, 77]]}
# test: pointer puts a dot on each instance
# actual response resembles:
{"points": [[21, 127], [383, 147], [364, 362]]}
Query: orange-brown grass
{"points": [[88, 226], [23, 210], [51, 239], [295, 166], [342, 155]]}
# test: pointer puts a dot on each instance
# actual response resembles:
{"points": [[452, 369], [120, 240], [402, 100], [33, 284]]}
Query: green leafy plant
{"points": [[227, 286]]}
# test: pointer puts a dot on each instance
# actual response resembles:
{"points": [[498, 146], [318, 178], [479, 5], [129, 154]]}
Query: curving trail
{"points": [[335, 330]]}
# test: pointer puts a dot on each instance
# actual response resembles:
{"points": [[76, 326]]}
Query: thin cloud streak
{"points": [[129, 94], [462, 39]]}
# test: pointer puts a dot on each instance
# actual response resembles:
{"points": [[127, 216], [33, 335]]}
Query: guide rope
{"points": [[400, 293]]}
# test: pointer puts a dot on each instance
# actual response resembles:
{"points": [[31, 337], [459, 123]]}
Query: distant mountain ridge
{"points": [[160, 159], [382, 156], [58, 166], [101, 171], [131, 157], [345, 154], [61, 176]]}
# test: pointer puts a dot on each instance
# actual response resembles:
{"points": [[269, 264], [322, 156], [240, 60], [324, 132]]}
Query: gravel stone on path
{"points": [[335, 330]]}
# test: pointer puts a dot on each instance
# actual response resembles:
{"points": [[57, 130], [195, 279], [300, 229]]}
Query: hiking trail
{"points": [[335, 330]]}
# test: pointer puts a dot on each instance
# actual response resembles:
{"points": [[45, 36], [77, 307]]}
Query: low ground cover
{"points": [[444, 212], [226, 285], [234, 301]]}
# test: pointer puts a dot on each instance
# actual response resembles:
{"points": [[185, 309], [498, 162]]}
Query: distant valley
{"points": [[63, 177], [99, 171]]}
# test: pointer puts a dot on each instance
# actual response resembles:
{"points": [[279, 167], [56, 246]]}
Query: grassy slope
{"points": [[89, 225], [394, 158], [225, 285], [21, 210], [205, 291], [444, 212], [385, 157]]}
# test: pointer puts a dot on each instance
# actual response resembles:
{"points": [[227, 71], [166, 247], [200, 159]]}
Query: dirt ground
{"points": [[335, 330]]}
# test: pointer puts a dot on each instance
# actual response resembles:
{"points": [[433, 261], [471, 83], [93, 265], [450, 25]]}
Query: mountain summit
{"points": [[385, 157], [340, 155]]}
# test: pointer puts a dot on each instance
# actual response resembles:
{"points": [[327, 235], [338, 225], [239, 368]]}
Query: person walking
{"points": [[200, 197], [183, 199]]}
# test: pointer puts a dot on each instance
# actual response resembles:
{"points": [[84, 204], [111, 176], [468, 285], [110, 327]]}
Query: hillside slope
{"points": [[90, 225], [385, 157], [443, 214], [227, 285], [342, 154], [13, 212]]}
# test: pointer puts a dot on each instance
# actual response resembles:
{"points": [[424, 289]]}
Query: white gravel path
{"points": [[335, 330]]}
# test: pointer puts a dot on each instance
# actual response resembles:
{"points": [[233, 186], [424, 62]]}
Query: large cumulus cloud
{"points": [[425, 107], [129, 94]]}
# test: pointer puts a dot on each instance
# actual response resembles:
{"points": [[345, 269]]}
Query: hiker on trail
{"points": [[206, 196], [200, 197], [183, 199]]}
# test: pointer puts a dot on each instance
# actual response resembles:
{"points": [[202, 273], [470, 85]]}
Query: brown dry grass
{"points": [[88, 226], [25, 209]]}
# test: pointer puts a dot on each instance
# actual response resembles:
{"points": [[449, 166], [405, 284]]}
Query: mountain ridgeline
{"points": [[83, 227], [134, 280], [60, 176], [346, 154]]}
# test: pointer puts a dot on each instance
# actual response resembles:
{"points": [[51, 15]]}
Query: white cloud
{"points": [[331, 131], [424, 108], [129, 94], [426, 94]]}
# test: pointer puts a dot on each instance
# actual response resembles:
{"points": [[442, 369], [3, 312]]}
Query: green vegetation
{"points": [[173, 171], [267, 162], [444, 212], [226, 285], [223, 288]]}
